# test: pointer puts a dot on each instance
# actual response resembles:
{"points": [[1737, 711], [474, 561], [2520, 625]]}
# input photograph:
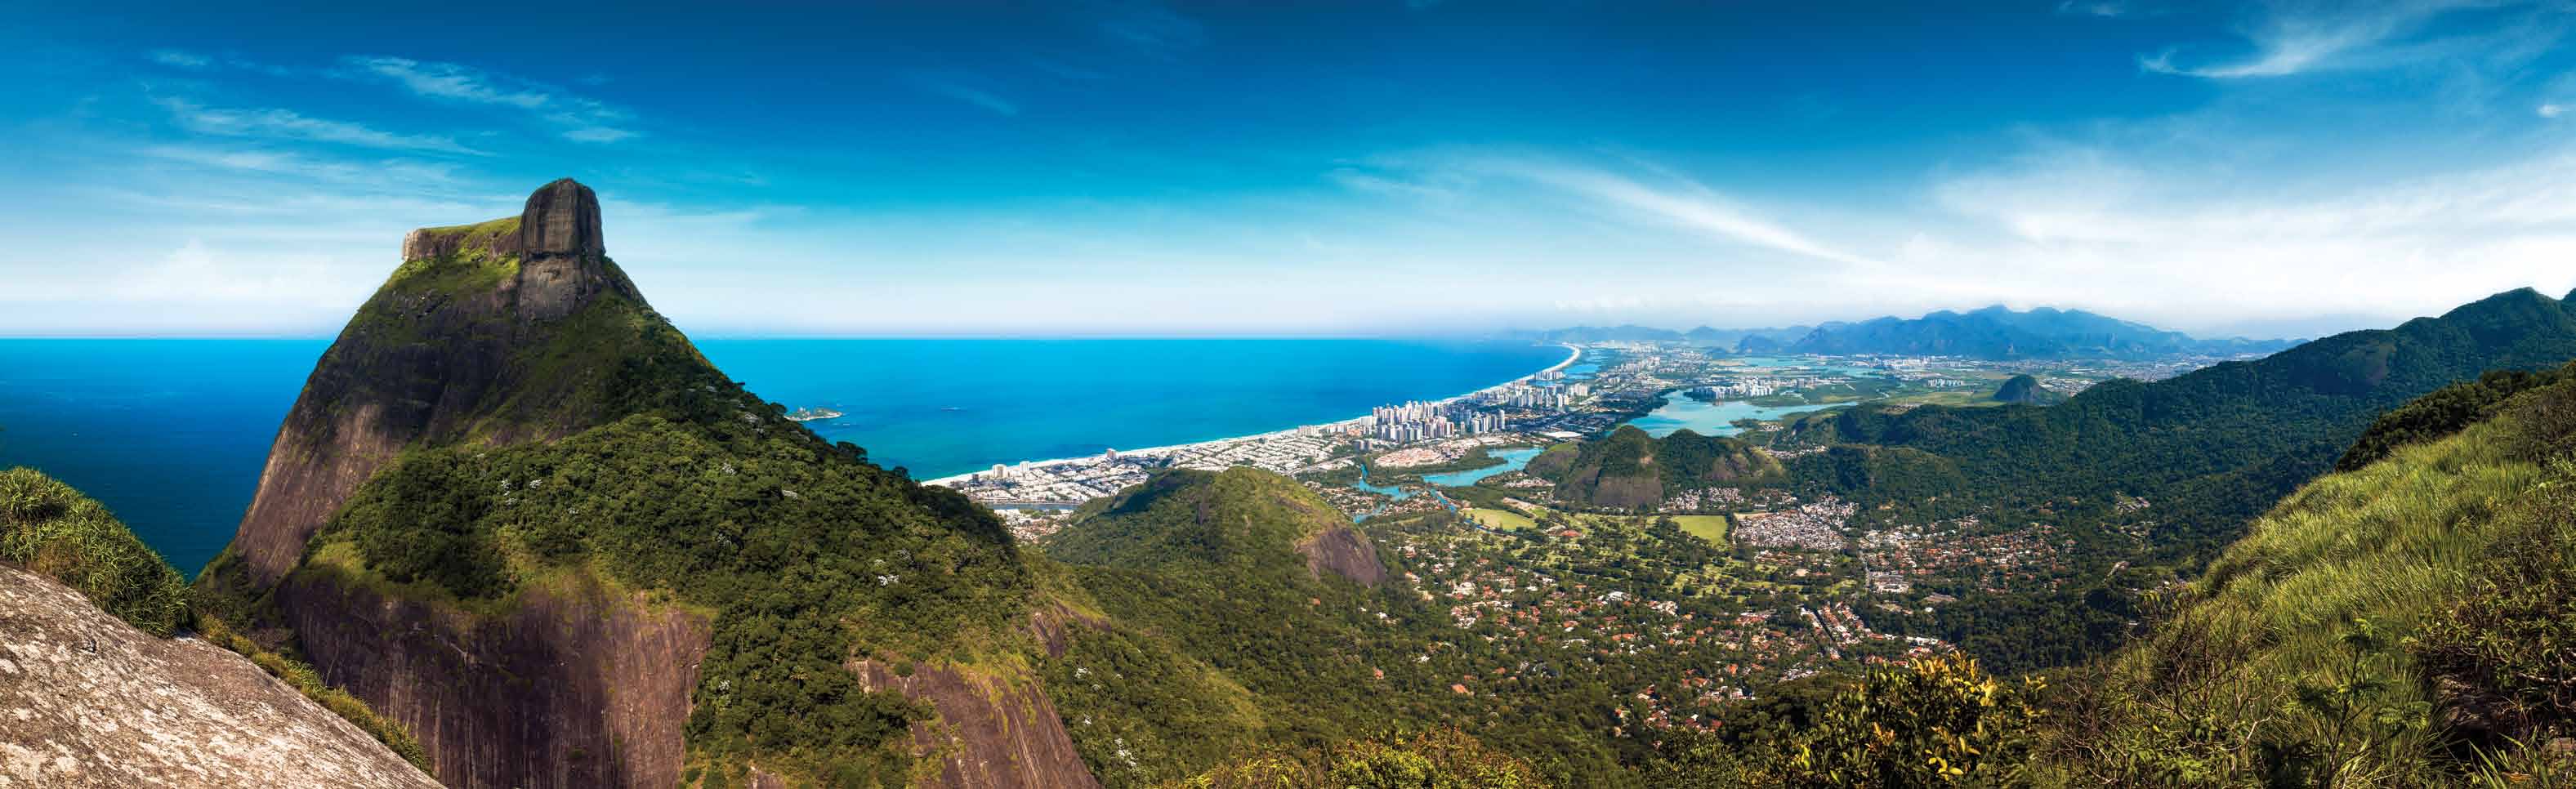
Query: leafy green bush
{"points": [[1941, 721], [56, 532], [1444, 758]]}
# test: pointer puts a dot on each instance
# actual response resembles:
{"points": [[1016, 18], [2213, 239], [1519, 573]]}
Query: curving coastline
{"points": [[1573, 354]]}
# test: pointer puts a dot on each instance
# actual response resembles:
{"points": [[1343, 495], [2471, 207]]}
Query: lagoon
{"points": [[1513, 460], [1712, 419]]}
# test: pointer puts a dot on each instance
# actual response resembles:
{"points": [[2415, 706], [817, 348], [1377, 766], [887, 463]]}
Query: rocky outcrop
{"points": [[89, 701], [576, 686], [993, 731], [425, 363], [2019, 389], [1342, 551], [560, 220]]}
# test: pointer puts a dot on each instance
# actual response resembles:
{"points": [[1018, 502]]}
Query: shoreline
{"points": [[1574, 353]]}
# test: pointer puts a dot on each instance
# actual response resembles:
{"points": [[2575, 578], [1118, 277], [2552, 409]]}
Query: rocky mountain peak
{"points": [[561, 219]]}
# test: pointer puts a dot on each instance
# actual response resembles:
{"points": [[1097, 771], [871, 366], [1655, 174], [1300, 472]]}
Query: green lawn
{"points": [[1707, 527], [1505, 520]]}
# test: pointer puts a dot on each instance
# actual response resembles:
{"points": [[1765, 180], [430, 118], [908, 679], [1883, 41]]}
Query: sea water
{"points": [[171, 433]]}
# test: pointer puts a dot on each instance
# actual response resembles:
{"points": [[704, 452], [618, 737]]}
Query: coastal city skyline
{"points": [[1143, 169]]}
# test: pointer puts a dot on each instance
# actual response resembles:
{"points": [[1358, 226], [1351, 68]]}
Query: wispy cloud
{"points": [[291, 125], [1150, 26], [582, 119], [450, 81], [198, 61], [1676, 201], [2146, 236], [2297, 39], [178, 59], [956, 87], [2552, 110]]}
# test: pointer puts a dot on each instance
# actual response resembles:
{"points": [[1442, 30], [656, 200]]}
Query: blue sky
{"points": [[1350, 168]]}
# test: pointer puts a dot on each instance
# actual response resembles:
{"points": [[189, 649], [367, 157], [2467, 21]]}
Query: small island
{"points": [[812, 414]]}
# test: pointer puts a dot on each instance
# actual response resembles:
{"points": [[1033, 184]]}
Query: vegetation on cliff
{"points": [[55, 531], [803, 555], [50, 528], [556, 432], [2404, 624]]}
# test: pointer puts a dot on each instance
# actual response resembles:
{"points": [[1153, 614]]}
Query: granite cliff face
{"points": [[580, 663], [432, 358], [464, 343], [1342, 551], [89, 701]]}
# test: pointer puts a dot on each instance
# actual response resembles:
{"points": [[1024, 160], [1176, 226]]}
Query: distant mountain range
{"points": [[1994, 332]]}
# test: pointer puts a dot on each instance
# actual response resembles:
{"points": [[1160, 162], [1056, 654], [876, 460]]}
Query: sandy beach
{"points": [[1573, 354]]}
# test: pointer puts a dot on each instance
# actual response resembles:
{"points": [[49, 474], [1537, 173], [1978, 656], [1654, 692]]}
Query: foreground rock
{"points": [[89, 701]]}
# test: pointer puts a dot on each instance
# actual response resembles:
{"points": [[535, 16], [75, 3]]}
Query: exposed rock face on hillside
{"points": [[2019, 389], [89, 701], [1344, 552], [428, 360], [576, 661], [992, 731], [573, 688]]}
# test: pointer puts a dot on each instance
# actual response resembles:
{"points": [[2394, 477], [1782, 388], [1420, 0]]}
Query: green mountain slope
{"points": [[1628, 469], [1242, 640], [2206, 450], [516, 510], [2408, 623]]}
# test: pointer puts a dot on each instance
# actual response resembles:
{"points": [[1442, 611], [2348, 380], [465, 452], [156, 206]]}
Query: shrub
{"points": [[56, 532]]}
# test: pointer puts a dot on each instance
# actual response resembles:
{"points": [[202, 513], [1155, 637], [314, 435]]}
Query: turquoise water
{"points": [[171, 434], [1711, 419], [1513, 460]]}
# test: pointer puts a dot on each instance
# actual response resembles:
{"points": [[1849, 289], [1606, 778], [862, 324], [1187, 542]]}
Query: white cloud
{"points": [[584, 119], [179, 59], [2552, 110], [2292, 39], [288, 124], [2190, 246], [597, 134], [1669, 200], [449, 81]]}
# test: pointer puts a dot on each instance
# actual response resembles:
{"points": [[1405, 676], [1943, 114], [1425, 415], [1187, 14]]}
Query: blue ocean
{"points": [[171, 433]]}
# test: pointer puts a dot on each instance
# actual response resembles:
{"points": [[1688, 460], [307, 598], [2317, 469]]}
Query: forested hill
{"points": [[2000, 333], [1629, 469], [2207, 451], [2404, 623]]}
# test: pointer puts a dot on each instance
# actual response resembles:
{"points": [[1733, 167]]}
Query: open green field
{"points": [[1504, 520], [1707, 527]]}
